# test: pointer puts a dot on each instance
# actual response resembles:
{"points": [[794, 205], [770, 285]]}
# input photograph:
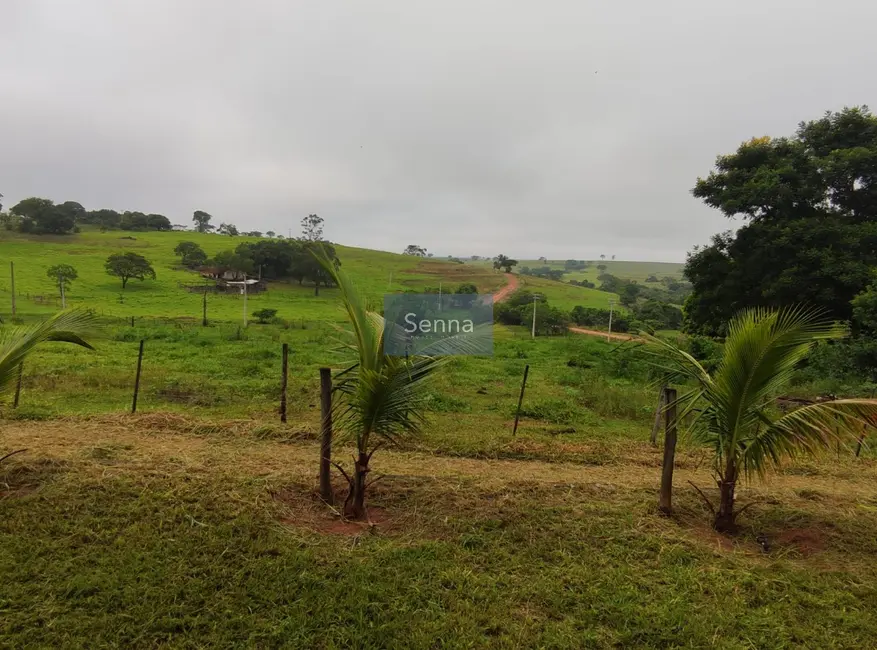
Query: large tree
{"points": [[191, 254], [129, 265], [202, 221], [312, 228], [43, 217], [503, 262], [809, 203]]}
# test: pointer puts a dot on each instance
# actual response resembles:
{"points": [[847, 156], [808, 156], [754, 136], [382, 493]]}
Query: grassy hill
{"points": [[624, 269], [376, 273]]}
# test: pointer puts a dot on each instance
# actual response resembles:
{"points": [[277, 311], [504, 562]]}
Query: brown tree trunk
{"points": [[724, 522], [316, 287], [354, 507]]}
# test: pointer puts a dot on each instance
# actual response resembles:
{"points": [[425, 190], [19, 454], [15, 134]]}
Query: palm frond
{"points": [[16, 343], [808, 430], [382, 395]]}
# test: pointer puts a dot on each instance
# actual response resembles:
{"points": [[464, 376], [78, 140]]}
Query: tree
{"points": [[383, 399], [413, 249], [191, 254], [234, 261], [629, 294], [72, 209], [202, 221], [809, 203], [309, 266], [467, 288], [43, 217], [228, 229], [158, 222], [602, 257], [505, 263], [601, 267], [734, 418], [613, 258], [63, 274], [312, 228], [129, 265], [106, 219], [270, 234]]}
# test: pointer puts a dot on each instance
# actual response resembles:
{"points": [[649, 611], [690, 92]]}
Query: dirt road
{"points": [[510, 287], [614, 337]]}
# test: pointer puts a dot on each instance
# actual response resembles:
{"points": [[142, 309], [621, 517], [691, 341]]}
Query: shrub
{"points": [[264, 316]]}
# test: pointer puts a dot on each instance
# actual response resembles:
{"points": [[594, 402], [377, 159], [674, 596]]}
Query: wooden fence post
{"points": [[326, 435], [657, 424], [137, 377], [283, 381], [204, 310], [12, 280], [18, 386], [521, 399], [665, 502]]}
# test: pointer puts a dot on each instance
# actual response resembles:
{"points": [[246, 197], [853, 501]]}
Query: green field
{"points": [[625, 270], [193, 523], [375, 273]]}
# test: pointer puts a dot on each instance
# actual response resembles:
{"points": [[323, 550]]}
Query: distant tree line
{"points": [[41, 216], [270, 259]]}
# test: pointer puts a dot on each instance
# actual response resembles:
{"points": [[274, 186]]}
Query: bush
{"points": [[467, 288], [264, 316]]}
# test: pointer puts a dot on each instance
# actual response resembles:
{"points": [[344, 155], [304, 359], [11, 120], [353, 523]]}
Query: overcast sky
{"points": [[565, 129]]}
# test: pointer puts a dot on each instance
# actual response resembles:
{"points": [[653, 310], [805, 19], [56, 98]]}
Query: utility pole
{"points": [[63, 299], [533, 333], [611, 308], [245, 299], [12, 278]]}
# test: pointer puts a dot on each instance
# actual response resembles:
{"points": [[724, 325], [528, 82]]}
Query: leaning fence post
{"points": [[669, 450], [657, 424], [137, 377], [326, 435], [283, 381], [18, 386], [521, 399]]}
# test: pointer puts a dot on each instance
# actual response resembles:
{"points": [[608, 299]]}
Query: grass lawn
{"points": [[138, 531]]}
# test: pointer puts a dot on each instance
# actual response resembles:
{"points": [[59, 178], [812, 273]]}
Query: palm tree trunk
{"points": [[354, 508], [724, 522]]}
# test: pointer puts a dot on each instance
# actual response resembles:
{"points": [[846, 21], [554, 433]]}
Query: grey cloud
{"points": [[564, 129]]}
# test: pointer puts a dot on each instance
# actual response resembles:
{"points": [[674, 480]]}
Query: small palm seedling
{"points": [[732, 406]]}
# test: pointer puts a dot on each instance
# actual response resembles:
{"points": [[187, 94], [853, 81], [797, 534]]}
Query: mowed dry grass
{"points": [[283, 460], [167, 530]]}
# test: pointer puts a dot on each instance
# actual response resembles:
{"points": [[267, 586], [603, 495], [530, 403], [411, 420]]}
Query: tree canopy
{"points": [[809, 203], [129, 265], [202, 221], [191, 254], [43, 217], [62, 273], [505, 263]]}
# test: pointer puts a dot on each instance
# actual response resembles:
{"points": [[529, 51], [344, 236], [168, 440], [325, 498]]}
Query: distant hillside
{"points": [[623, 269], [375, 272]]}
